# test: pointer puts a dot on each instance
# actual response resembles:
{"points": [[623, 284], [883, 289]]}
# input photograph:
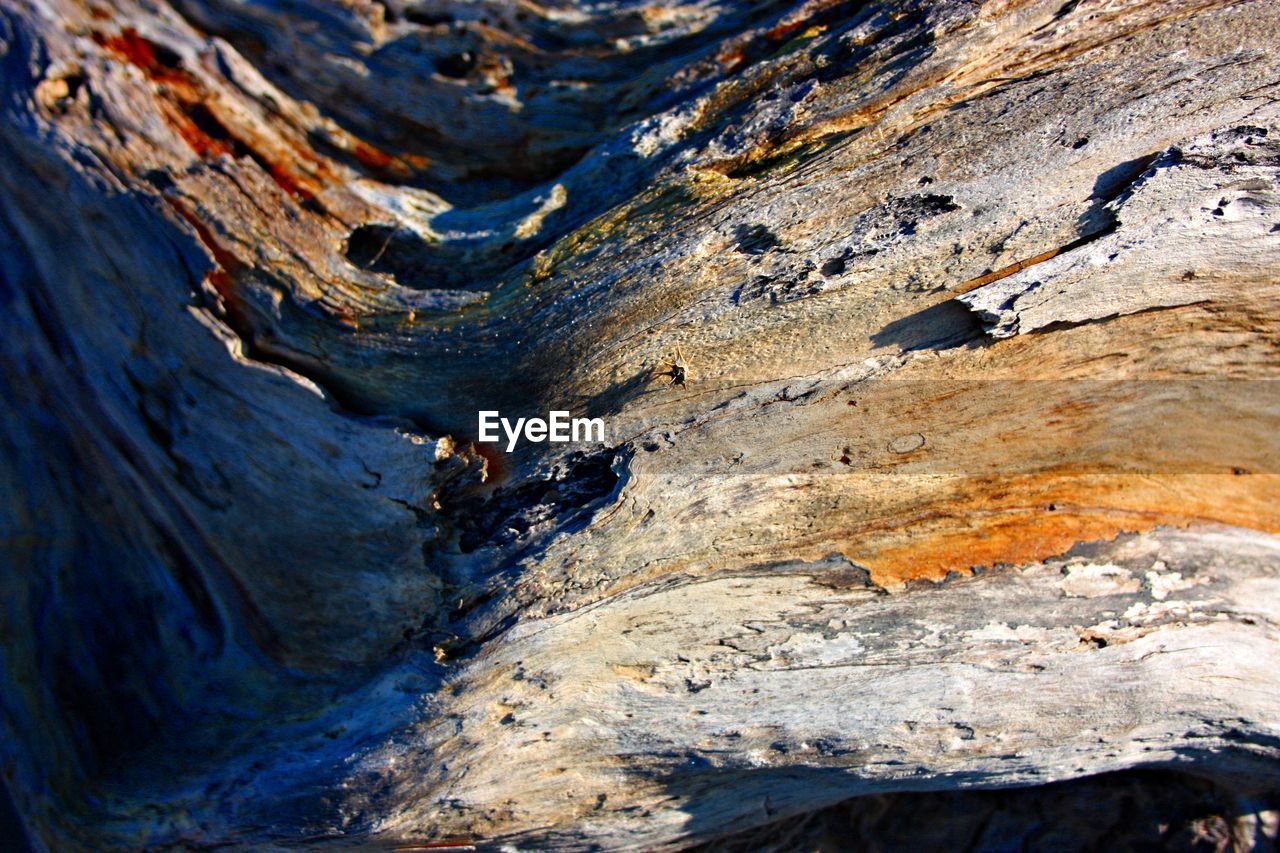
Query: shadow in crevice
{"points": [[1109, 186], [1126, 810], [944, 326], [13, 833], [574, 486], [619, 393], [413, 261], [1119, 179]]}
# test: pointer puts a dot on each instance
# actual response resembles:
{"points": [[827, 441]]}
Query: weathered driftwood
{"points": [[1128, 810], [959, 287]]}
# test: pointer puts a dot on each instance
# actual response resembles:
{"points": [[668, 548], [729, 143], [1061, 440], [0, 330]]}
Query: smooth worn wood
{"points": [[935, 341]]}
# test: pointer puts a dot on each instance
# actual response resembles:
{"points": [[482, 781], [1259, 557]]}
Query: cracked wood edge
{"points": [[1184, 230], [673, 710]]}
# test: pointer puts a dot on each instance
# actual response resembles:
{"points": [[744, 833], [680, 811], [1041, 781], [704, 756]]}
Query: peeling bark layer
{"points": [[970, 480]]}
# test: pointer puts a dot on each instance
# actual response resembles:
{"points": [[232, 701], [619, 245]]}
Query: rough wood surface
{"points": [[971, 483]]}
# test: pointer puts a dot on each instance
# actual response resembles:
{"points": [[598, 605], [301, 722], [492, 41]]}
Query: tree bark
{"points": [[935, 344]]}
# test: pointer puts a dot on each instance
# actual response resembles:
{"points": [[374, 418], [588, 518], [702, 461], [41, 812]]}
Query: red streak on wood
{"points": [[781, 31], [731, 58], [130, 46], [222, 278], [204, 145], [373, 157], [287, 182], [186, 92], [142, 52]]}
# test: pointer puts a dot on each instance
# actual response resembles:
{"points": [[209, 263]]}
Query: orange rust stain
{"points": [[288, 182], [730, 59], [1014, 539], [222, 278], [781, 31], [204, 145], [372, 157], [142, 52], [130, 46], [182, 88], [1033, 520], [184, 94], [379, 161]]}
